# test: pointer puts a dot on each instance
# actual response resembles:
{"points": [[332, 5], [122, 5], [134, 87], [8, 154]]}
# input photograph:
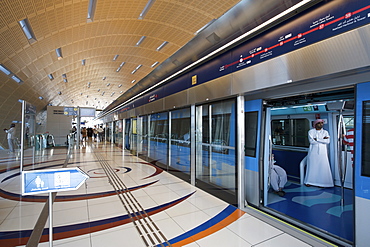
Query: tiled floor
{"points": [[184, 214]]}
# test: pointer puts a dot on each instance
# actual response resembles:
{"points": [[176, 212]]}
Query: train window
{"points": [[251, 127], [290, 132], [365, 162]]}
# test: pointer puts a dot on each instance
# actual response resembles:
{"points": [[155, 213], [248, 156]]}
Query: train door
{"points": [[326, 210], [215, 141], [362, 165], [253, 118]]}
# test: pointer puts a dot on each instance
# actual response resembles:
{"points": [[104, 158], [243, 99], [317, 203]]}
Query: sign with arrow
{"points": [[53, 180]]}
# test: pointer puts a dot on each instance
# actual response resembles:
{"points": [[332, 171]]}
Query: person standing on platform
{"points": [[100, 133], [11, 136], [84, 133], [318, 171]]}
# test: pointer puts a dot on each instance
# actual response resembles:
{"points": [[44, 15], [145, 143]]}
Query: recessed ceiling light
{"points": [[154, 64], [91, 10], [16, 79], [140, 40], [162, 45], [146, 9], [205, 26], [5, 70], [27, 30], [58, 51]]}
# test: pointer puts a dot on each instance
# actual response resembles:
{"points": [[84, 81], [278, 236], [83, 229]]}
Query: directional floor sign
{"points": [[55, 180]]}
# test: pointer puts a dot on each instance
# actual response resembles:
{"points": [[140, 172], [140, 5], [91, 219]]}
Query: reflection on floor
{"points": [[319, 207], [155, 208]]}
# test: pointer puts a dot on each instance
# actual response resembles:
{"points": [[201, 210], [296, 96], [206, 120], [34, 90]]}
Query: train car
{"points": [[258, 100]]}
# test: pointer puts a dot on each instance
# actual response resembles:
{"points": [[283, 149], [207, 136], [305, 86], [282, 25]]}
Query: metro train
{"points": [[217, 124]]}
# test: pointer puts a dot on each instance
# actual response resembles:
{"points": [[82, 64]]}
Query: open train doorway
{"points": [[305, 138]]}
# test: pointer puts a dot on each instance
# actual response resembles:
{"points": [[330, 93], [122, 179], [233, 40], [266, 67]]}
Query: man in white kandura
{"points": [[318, 168], [278, 178]]}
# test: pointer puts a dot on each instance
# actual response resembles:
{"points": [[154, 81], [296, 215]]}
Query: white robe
{"points": [[318, 171], [278, 177]]}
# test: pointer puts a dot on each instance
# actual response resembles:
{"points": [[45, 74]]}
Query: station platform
{"points": [[128, 202]]}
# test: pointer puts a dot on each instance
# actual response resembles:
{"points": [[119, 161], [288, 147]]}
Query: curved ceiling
{"points": [[114, 30]]}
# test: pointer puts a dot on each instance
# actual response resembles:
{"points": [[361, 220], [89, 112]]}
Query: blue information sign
{"points": [[55, 180]]}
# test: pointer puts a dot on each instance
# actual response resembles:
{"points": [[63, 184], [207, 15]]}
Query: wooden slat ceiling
{"points": [[115, 30]]}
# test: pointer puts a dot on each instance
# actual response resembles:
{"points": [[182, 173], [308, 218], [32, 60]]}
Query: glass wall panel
{"points": [[133, 135], [216, 141], [108, 131], [118, 133], [143, 136], [158, 138], [127, 134], [180, 140]]}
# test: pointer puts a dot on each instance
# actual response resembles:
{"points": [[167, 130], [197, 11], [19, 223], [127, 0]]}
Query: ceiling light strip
{"points": [[140, 40], [154, 64], [162, 45], [146, 9], [205, 26], [27, 30], [273, 19], [6, 71], [58, 51], [16, 79], [91, 10]]}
